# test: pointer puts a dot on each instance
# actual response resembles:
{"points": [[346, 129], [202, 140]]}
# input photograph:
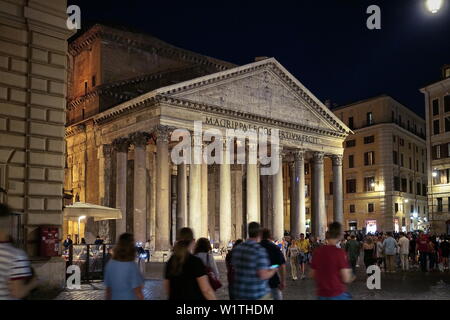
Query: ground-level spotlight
{"points": [[433, 5]]}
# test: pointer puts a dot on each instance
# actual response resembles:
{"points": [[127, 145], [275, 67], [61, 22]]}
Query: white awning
{"points": [[88, 210]]}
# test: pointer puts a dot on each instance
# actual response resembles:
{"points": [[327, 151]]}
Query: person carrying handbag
{"points": [[203, 251]]}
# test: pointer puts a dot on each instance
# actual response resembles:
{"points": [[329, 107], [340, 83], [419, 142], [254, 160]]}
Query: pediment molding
{"points": [[275, 68]]}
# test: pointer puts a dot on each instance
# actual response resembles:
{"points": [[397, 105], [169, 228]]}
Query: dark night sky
{"points": [[324, 43]]}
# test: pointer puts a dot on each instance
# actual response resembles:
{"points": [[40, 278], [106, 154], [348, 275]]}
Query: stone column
{"points": [[182, 202], [300, 190], [225, 198], [162, 231], [338, 194], [252, 187], [278, 211], [204, 199], [121, 147], [139, 140], [318, 197], [105, 171], [293, 219], [195, 189]]}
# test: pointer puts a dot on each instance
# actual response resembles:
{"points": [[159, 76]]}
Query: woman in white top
{"points": [[203, 251]]}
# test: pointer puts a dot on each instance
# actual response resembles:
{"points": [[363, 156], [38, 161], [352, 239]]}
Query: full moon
{"points": [[433, 5]]}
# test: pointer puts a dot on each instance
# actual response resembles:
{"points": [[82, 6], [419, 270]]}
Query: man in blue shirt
{"points": [[390, 251], [252, 268]]}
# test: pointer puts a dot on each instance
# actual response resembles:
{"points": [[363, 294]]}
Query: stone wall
{"points": [[33, 55], [33, 52]]}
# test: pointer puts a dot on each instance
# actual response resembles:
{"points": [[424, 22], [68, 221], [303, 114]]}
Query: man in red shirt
{"points": [[330, 267], [423, 248]]}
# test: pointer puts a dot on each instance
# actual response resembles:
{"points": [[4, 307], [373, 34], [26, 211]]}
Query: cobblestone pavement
{"points": [[412, 285]]}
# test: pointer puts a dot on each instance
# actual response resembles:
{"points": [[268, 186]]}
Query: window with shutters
{"points": [[436, 129], [351, 161], [352, 208], [351, 186], [404, 185], [395, 157], [369, 139], [447, 124], [439, 204], [369, 184], [447, 103], [397, 184], [435, 107], [369, 158], [350, 143]]}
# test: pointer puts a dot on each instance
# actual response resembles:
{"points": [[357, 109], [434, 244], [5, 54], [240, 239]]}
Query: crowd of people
{"points": [[256, 267]]}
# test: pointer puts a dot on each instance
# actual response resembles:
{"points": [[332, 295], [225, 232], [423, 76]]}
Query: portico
{"points": [[217, 200]]}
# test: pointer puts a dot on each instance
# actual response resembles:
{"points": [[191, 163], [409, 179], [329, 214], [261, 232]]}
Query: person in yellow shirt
{"points": [[303, 246]]}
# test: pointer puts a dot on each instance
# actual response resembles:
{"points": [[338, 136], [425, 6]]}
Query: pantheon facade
{"points": [[128, 92]]}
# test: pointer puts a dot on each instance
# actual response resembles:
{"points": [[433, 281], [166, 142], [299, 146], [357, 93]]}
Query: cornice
{"points": [[74, 130]]}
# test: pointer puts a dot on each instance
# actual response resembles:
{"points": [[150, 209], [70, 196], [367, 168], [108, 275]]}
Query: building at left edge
{"points": [[33, 60]]}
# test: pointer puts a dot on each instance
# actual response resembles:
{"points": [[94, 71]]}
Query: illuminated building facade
{"points": [[385, 176], [437, 115]]}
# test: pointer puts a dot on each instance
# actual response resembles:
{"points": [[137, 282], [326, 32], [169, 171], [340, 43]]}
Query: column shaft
{"points": [[225, 200], [338, 194], [278, 211], [140, 187], [162, 229], [300, 207], [195, 211], [318, 197], [182, 202], [204, 200], [252, 193], [121, 147]]}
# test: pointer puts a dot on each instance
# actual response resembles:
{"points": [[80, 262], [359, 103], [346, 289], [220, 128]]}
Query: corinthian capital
{"points": [[318, 157], [139, 139], [107, 149], [162, 133], [299, 155], [121, 144], [337, 159]]}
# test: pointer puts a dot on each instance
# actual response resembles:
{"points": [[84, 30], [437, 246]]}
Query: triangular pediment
{"points": [[264, 89]]}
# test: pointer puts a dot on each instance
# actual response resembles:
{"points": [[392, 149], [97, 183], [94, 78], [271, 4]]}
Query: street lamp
{"points": [[433, 5], [79, 220], [434, 174]]}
